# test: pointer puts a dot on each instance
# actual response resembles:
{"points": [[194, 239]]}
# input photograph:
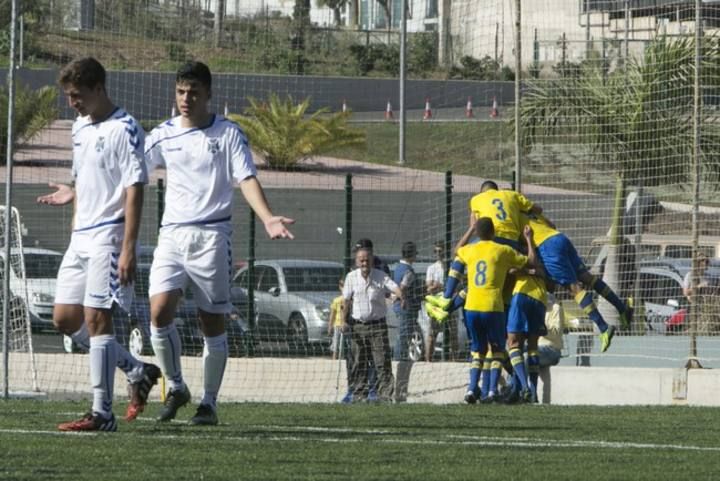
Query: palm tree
{"points": [[284, 135], [34, 110], [636, 121]]}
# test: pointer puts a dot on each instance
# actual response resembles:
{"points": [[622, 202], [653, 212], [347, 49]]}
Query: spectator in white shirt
{"points": [[365, 311]]}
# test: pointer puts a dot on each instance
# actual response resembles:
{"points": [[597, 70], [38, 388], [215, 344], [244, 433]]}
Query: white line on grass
{"points": [[451, 440]]}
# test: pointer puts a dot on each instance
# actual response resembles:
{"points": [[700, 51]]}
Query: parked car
{"points": [[661, 290], [653, 246], [292, 298], [32, 281]]}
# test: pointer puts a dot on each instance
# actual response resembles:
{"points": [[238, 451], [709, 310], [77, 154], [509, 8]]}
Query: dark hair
{"points": [[488, 185], [364, 243], [409, 249], [194, 72], [439, 245], [484, 228], [83, 72]]}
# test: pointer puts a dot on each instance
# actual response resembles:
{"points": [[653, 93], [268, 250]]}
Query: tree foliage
{"points": [[638, 121], [336, 6], [281, 131], [34, 110], [485, 68]]}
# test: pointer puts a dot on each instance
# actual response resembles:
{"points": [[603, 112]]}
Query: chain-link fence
{"points": [[616, 131]]}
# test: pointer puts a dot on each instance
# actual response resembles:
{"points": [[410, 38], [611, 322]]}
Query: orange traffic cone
{"points": [[494, 110], [468, 109], [427, 115], [388, 111]]}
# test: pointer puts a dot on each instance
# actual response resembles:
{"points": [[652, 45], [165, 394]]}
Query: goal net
{"points": [[614, 141]]}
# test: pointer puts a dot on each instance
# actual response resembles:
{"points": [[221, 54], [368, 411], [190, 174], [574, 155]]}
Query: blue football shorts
{"points": [[560, 259], [484, 328], [526, 316]]}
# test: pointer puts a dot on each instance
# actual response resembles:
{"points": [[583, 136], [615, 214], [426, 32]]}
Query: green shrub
{"points": [[34, 110], [176, 52], [280, 131]]}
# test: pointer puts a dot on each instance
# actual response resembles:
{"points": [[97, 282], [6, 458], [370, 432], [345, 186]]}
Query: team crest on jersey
{"points": [[100, 144], [213, 146]]}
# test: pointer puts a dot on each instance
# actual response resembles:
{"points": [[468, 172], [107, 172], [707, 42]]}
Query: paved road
{"points": [[47, 342]]}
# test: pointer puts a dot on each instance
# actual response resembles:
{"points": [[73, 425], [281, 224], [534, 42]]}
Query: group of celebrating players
{"points": [[507, 260]]}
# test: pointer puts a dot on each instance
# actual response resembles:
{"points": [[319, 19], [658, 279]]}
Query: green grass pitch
{"points": [[368, 442]]}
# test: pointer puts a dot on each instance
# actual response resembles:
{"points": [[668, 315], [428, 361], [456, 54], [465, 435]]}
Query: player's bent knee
{"points": [[212, 324], [99, 321], [163, 307], [68, 318]]}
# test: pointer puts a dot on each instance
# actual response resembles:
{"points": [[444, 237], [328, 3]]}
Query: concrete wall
{"points": [[150, 95], [65, 376]]}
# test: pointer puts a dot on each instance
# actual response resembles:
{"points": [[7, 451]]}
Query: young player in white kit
{"points": [[99, 266], [205, 155]]}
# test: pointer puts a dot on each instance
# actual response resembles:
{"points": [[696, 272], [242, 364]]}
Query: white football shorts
{"points": [[197, 254], [88, 275]]}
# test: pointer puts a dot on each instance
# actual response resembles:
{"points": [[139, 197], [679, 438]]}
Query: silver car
{"points": [[292, 298], [32, 280]]}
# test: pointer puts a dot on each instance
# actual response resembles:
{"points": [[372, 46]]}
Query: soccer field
{"points": [[367, 442]]}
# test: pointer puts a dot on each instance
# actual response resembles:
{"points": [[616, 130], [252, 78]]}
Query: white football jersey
{"points": [[203, 165], [107, 158]]}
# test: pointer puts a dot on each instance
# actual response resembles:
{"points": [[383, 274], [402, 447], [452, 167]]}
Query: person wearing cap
{"points": [[365, 313]]}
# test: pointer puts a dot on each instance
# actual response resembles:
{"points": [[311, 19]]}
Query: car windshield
{"points": [[41, 266], [314, 279]]}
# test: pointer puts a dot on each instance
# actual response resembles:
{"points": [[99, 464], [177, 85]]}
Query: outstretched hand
{"points": [[275, 227], [63, 195]]}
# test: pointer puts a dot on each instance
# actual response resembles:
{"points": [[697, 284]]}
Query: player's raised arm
{"points": [[275, 225], [532, 256]]}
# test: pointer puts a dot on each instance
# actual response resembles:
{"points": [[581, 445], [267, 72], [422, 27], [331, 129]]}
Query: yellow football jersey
{"points": [[541, 231], [505, 208], [531, 286], [487, 264]]}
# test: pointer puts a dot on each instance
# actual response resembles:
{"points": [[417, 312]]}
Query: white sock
{"points": [[215, 354], [166, 344], [129, 364], [103, 359], [132, 367]]}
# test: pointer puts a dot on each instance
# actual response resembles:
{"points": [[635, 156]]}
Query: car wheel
{"points": [[136, 342], [297, 332], [69, 345], [416, 346]]}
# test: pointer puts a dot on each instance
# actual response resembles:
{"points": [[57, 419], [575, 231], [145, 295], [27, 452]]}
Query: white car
{"points": [[32, 280], [292, 298]]}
